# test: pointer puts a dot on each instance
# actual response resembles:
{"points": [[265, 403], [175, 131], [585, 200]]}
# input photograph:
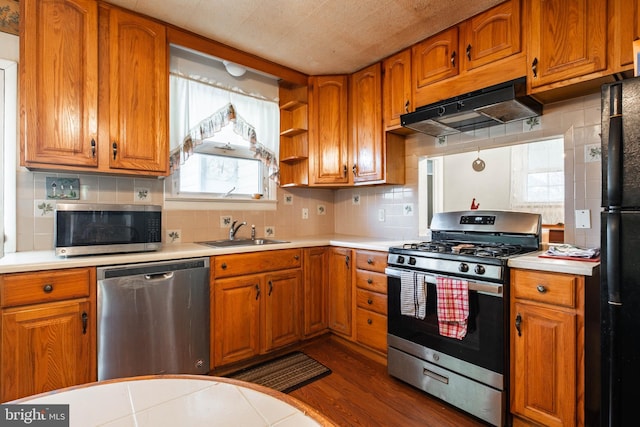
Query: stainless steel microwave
{"points": [[90, 229]]}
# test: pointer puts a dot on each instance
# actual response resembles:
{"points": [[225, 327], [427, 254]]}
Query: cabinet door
{"points": [[396, 88], [138, 93], [45, 347], [237, 318], [544, 372], [282, 309], [340, 307], [59, 82], [626, 28], [491, 35], [328, 152], [315, 290], [567, 39], [366, 125], [435, 58]]}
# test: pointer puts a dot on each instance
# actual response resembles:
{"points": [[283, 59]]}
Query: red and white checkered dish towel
{"points": [[453, 306]]}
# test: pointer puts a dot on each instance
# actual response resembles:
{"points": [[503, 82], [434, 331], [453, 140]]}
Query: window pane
{"points": [[219, 174]]}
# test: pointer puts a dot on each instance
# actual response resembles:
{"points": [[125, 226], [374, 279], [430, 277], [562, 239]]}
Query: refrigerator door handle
{"points": [[613, 255], [614, 149]]}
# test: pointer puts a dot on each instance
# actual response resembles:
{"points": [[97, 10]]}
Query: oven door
{"points": [[484, 344]]}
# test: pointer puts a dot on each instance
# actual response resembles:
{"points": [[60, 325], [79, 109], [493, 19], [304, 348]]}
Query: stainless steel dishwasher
{"points": [[153, 318]]}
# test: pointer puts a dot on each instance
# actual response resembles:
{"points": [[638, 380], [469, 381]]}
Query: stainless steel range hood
{"points": [[503, 103]]}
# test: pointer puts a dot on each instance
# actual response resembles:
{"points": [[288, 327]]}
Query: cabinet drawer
{"points": [[256, 262], [371, 329], [372, 301], [372, 281], [31, 288], [371, 260], [550, 288]]}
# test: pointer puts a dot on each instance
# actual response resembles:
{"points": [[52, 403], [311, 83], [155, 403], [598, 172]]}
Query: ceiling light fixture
{"points": [[234, 69]]}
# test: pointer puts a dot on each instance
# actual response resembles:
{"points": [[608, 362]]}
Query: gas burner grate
{"points": [[487, 250]]}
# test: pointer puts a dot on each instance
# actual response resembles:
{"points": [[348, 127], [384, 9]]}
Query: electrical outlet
{"points": [[305, 213], [381, 215]]}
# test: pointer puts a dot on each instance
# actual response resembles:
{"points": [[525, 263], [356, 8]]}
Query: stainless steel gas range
{"points": [[469, 249]]}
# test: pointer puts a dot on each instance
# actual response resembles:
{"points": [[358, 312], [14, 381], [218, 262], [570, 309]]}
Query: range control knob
{"points": [[400, 259], [412, 261], [463, 267], [479, 269]]}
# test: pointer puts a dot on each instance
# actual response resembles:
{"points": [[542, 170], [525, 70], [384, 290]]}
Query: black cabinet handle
{"points": [[114, 146], [469, 52], [346, 260], [453, 58], [406, 106], [354, 169], [344, 170], [270, 287], [48, 288], [85, 320], [93, 148], [519, 324], [534, 67], [257, 291]]}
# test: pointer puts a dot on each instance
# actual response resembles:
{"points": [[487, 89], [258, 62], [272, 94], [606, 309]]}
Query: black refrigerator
{"points": [[620, 254]]}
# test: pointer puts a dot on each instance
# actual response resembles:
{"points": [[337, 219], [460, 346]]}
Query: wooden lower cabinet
{"points": [[371, 299], [547, 348], [340, 306], [253, 312], [47, 337], [315, 290]]}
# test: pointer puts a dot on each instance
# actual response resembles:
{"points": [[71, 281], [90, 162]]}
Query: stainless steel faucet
{"points": [[233, 230]]}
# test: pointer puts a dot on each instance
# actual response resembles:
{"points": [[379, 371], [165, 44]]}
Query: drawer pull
{"points": [[224, 266], [519, 324], [435, 376], [369, 281], [541, 288], [369, 321], [369, 301], [369, 261], [48, 288], [296, 257]]}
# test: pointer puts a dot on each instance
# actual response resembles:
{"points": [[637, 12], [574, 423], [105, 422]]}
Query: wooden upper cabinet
{"points": [[365, 110], [59, 82], [328, 154], [567, 39], [491, 35], [436, 58], [397, 95], [138, 93], [625, 19]]}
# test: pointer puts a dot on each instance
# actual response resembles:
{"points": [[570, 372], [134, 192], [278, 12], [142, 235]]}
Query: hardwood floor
{"points": [[359, 392]]}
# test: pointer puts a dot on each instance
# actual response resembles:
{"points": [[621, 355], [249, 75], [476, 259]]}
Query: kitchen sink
{"points": [[225, 243]]}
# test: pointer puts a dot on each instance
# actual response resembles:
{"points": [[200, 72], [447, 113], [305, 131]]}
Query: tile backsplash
{"points": [[377, 211]]}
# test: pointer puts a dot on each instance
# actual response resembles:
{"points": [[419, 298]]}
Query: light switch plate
{"points": [[583, 218]]}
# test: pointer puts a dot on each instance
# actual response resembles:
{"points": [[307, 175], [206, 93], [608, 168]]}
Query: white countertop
{"points": [[47, 260], [178, 400], [532, 261]]}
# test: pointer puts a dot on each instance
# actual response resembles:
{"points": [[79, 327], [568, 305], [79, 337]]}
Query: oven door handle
{"points": [[489, 288]]}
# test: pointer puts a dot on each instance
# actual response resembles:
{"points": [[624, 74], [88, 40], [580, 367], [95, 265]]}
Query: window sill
{"points": [[220, 204]]}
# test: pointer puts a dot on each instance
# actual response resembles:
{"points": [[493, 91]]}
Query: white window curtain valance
{"points": [[199, 111]]}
